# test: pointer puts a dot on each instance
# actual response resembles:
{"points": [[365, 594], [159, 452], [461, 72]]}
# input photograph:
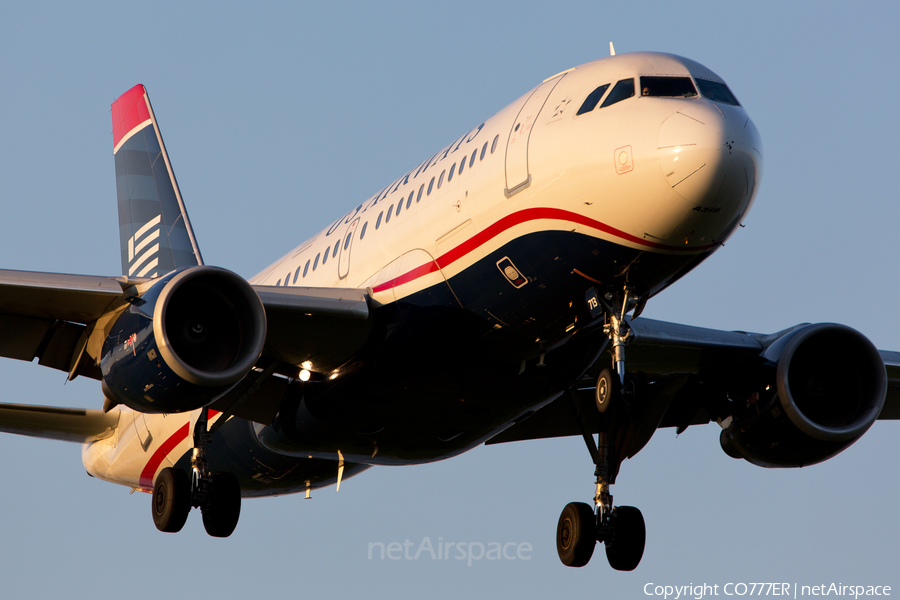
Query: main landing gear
{"points": [[217, 495], [620, 528]]}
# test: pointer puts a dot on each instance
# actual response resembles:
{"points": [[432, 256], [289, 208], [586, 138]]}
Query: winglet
{"points": [[155, 233]]}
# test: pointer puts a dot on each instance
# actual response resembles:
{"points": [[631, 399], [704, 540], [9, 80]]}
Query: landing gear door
{"points": [[517, 174], [346, 245]]}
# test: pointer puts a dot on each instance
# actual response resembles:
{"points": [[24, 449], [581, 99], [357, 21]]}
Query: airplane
{"points": [[492, 293]]}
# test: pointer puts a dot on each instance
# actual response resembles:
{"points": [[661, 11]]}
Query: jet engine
{"points": [[824, 386], [184, 342]]}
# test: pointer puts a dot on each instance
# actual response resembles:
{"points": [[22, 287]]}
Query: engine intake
{"points": [[181, 345], [829, 387]]}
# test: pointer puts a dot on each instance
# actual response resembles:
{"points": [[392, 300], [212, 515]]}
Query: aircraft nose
{"points": [[711, 156]]}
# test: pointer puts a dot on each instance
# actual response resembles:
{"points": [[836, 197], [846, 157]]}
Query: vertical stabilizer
{"points": [[154, 230]]}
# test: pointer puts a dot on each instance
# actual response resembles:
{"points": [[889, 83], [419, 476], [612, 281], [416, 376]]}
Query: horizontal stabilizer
{"points": [[65, 424], [155, 233]]}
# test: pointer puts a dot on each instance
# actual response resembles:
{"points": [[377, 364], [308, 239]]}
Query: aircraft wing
{"points": [[65, 424], [673, 358], [44, 316], [60, 320], [325, 326]]}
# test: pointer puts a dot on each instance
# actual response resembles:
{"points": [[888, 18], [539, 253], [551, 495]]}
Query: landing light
{"points": [[306, 365], [304, 375]]}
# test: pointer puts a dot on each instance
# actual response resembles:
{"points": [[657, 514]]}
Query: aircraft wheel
{"points": [[171, 500], [625, 549], [576, 534], [603, 393], [223, 506], [635, 387]]}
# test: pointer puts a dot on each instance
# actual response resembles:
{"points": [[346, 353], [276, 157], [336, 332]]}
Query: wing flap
{"points": [[65, 424], [54, 343], [43, 316]]}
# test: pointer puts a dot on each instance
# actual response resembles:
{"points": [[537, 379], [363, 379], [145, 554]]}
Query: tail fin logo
{"points": [[143, 257]]}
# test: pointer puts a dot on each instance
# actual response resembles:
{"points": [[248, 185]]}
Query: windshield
{"points": [[668, 87], [717, 92]]}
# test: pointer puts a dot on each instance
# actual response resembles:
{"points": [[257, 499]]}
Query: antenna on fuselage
{"points": [[612, 49]]}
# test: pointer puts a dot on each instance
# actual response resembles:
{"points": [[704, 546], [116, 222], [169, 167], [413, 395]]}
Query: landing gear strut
{"points": [[218, 495], [614, 383], [620, 528]]}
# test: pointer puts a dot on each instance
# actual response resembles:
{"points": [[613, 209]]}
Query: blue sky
{"points": [[278, 118]]}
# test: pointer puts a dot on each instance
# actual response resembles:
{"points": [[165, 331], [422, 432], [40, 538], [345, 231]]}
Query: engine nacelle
{"points": [[829, 387], [185, 342]]}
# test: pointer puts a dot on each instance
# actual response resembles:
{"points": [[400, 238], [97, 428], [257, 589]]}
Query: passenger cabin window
{"points": [[337, 245], [325, 256], [452, 171], [419, 196], [623, 90], [306, 269], [347, 241], [494, 143], [278, 284], [362, 233], [399, 206], [387, 219], [590, 103], [668, 87], [483, 150], [430, 185], [378, 221], [462, 165], [441, 179], [316, 262], [409, 200], [717, 92], [472, 160], [297, 273]]}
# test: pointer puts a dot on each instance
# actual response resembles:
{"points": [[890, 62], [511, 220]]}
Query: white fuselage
{"points": [[660, 175]]}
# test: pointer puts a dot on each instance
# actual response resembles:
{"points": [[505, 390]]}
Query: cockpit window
{"points": [[622, 91], [717, 92], [590, 103], [668, 87]]}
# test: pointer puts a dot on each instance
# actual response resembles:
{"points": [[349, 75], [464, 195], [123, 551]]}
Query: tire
{"points": [[625, 550], [605, 390], [223, 506], [635, 388], [576, 534], [171, 500]]}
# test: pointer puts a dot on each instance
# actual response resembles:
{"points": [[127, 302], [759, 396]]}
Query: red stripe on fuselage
{"points": [[146, 480], [129, 111], [517, 218], [160, 455]]}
